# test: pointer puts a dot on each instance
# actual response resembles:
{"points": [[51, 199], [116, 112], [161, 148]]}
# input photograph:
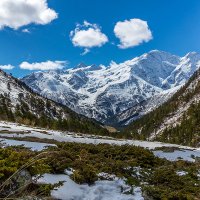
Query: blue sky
{"points": [[174, 25]]}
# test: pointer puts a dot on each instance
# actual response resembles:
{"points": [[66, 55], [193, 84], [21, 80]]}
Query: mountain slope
{"points": [[18, 103], [119, 93], [176, 121]]}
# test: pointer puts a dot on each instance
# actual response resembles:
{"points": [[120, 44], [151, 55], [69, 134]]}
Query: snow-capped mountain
{"points": [[118, 93], [18, 103], [14, 94]]}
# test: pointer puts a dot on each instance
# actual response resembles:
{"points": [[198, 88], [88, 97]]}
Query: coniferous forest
{"points": [[29, 108], [186, 131]]}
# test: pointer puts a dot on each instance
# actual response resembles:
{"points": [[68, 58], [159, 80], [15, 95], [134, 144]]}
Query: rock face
{"points": [[119, 93]]}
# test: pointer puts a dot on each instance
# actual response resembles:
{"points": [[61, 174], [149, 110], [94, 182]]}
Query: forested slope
{"points": [[18, 103], [176, 121]]}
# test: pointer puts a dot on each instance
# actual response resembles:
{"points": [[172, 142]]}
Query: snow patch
{"points": [[101, 190]]}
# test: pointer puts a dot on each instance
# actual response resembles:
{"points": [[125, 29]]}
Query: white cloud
{"points": [[26, 30], [132, 33], [48, 65], [6, 67], [18, 13], [88, 36]]}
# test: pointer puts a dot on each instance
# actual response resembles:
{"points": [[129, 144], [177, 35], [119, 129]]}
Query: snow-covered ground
{"points": [[12, 130], [181, 173], [34, 146], [100, 190], [113, 187], [182, 154]]}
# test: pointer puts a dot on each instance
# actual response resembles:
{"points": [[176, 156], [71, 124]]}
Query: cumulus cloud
{"points": [[132, 33], [18, 13], [48, 65], [6, 67], [26, 30], [87, 36]]}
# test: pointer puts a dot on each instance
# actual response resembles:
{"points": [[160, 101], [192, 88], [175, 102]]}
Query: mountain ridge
{"points": [[176, 121], [20, 104], [106, 93]]}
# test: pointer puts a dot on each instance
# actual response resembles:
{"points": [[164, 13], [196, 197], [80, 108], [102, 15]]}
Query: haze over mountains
{"points": [[119, 93]]}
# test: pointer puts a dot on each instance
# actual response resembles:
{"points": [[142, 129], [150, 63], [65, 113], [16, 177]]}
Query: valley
{"points": [[99, 100], [76, 173], [120, 93], [52, 148]]}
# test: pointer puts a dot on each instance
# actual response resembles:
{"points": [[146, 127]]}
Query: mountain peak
{"points": [[160, 53], [192, 54], [80, 65], [101, 92], [95, 67], [157, 51], [84, 67]]}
